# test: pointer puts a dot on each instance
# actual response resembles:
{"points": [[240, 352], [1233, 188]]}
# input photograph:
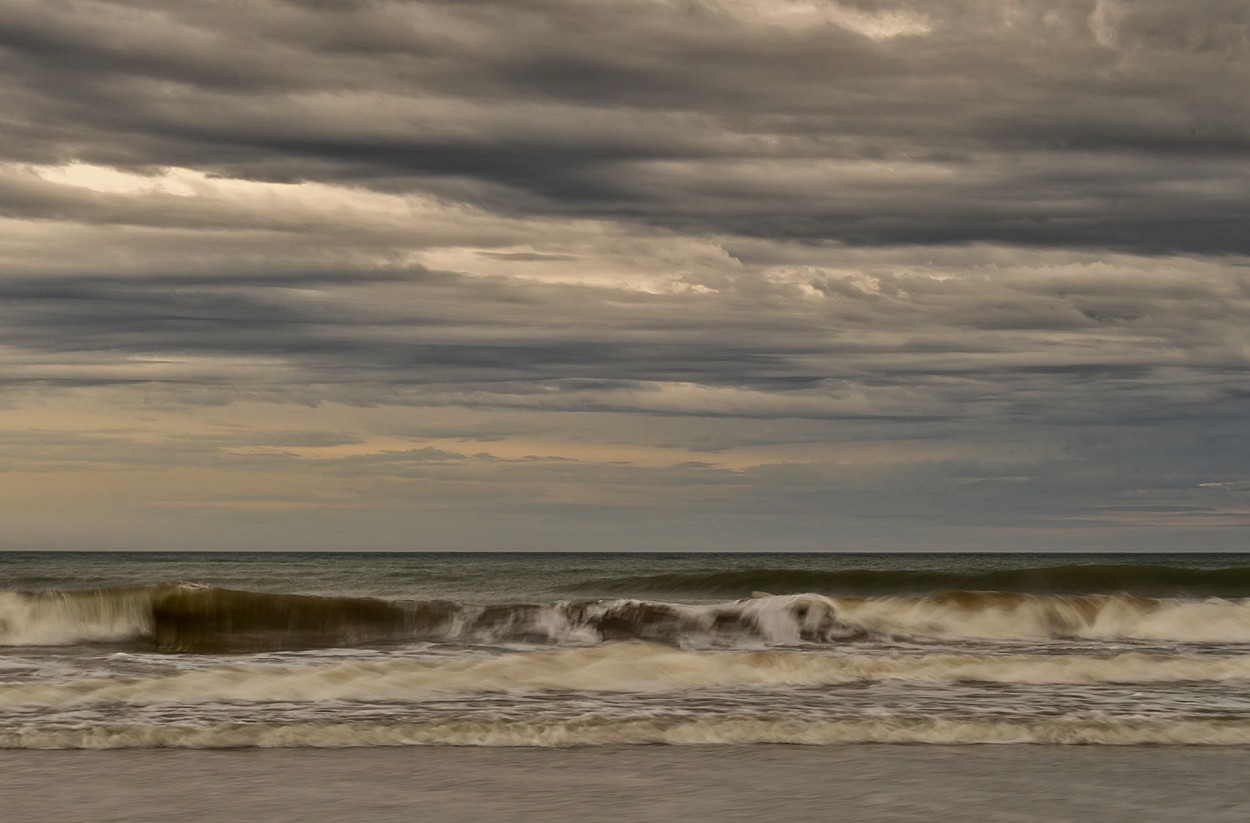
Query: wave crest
{"points": [[211, 620]]}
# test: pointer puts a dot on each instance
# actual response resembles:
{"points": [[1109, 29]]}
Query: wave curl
{"points": [[202, 619]]}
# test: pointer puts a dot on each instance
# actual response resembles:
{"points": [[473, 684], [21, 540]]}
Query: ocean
{"points": [[590, 656]]}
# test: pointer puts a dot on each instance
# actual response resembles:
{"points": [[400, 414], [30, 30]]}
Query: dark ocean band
{"points": [[1142, 580]]}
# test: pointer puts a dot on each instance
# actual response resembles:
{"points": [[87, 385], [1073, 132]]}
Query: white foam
{"points": [[591, 731], [1035, 617], [621, 667], [65, 618]]}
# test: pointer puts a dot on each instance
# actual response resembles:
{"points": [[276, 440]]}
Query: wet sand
{"points": [[636, 783]]}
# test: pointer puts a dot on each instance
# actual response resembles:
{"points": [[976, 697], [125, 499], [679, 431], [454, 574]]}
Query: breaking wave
{"points": [[184, 618]]}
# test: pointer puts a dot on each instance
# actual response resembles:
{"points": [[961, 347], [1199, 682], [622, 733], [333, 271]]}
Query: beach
{"points": [[1007, 784]]}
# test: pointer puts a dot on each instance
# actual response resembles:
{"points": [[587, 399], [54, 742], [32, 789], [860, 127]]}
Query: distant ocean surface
{"points": [[227, 650]]}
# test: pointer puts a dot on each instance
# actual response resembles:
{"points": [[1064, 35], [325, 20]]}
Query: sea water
{"points": [[264, 650]]}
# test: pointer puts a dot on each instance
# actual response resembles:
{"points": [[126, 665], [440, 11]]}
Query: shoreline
{"points": [[626, 783]]}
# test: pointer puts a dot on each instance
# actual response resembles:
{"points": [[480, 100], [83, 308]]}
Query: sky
{"points": [[763, 275]]}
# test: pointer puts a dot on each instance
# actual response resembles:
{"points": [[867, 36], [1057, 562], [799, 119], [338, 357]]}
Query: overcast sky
{"points": [[625, 274]]}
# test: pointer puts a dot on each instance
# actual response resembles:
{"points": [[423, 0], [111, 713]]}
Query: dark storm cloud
{"points": [[439, 337], [1104, 125]]}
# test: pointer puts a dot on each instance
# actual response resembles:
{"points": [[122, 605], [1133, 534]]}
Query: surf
{"points": [[200, 619], [622, 668], [672, 731]]}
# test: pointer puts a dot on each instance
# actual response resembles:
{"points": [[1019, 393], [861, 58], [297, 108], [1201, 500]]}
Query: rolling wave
{"points": [[1141, 580], [187, 618]]}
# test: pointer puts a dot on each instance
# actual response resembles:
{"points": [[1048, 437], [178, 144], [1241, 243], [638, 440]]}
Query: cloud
{"points": [[866, 273], [1053, 125]]}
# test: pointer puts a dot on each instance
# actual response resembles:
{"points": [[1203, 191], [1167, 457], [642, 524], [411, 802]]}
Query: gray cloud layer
{"points": [[1104, 125], [906, 273]]}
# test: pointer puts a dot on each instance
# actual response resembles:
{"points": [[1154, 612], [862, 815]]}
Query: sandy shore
{"points": [[642, 783]]}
